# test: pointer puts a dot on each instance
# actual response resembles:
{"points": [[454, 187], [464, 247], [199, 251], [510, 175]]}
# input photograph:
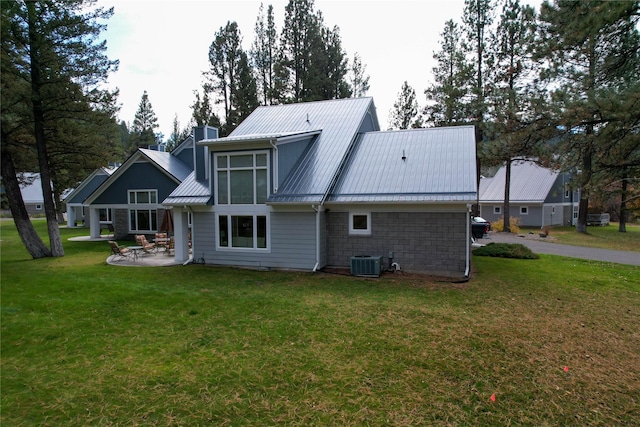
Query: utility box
{"points": [[366, 265]]}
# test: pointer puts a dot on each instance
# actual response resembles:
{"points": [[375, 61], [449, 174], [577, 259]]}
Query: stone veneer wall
{"points": [[424, 242]]}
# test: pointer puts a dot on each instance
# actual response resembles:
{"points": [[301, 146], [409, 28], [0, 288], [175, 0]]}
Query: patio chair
{"points": [[171, 245], [147, 247], [119, 252], [162, 240]]}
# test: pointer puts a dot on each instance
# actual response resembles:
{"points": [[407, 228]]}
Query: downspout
{"points": [[275, 166], [468, 254], [189, 211], [318, 210]]}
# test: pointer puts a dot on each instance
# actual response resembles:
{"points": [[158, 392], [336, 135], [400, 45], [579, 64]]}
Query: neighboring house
{"points": [[32, 193], [131, 197], [538, 196], [310, 185], [75, 201]]}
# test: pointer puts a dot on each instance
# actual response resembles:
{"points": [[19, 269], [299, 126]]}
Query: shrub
{"points": [[506, 250], [514, 225]]}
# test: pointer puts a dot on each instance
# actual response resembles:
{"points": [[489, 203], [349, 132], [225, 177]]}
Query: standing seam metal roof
{"points": [[439, 165], [339, 120], [529, 183]]}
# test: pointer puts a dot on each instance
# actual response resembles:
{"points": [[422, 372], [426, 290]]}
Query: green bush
{"points": [[506, 250]]}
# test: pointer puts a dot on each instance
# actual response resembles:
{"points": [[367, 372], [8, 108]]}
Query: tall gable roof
{"points": [[530, 183], [89, 185], [420, 165], [339, 120]]}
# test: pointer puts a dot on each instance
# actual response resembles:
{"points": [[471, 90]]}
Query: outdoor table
{"points": [[135, 250]]}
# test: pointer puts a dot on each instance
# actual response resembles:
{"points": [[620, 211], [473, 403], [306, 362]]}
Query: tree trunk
{"points": [[38, 118], [30, 238], [507, 195], [622, 227]]}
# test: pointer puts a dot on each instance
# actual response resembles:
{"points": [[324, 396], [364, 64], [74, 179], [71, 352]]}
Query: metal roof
{"points": [[529, 183], [340, 121], [190, 192], [171, 164], [418, 165]]}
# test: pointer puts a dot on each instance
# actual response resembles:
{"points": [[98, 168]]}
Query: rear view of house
{"points": [[310, 185]]}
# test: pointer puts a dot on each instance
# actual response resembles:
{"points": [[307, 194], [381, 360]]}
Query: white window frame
{"points": [[136, 206], [359, 231], [38, 207], [524, 210], [108, 216], [228, 169], [229, 215], [497, 210]]}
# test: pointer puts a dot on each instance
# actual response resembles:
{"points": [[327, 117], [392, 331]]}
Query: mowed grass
{"points": [[606, 237], [555, 341]]}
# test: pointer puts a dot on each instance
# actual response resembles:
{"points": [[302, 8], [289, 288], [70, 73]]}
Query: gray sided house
{"points": [[538, 196], [311, 185], [75, 201], [131, 198]]}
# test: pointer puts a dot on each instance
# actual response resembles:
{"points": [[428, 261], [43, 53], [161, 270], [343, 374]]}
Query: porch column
{"points": [[94, 223], [71, 216], [181, 234]]}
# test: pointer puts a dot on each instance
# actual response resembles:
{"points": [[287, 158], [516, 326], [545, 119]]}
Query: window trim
{"points": [[524, 210], [229, 215], [150, 207], [228, 169], [359, 232], [497, 210]]}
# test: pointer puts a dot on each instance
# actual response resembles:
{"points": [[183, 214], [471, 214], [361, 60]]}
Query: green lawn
{"points": [[607, 237], [89, 344]]}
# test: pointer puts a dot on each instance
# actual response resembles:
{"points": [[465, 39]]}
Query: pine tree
{"points": [[144, 124], [202, 109], [359, 81], [405, 112], [513, 116], [246, 99], [590, 52], [51, 54], [448, 96], [263, 54]]}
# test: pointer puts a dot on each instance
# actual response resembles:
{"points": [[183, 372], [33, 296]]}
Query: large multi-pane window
{"points": [[242, 231], [142, 216], [242, 178]]}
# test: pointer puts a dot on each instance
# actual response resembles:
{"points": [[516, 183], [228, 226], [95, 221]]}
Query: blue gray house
{"points": [[312, 185], [538, 196], [75, 200], [131, 197]]}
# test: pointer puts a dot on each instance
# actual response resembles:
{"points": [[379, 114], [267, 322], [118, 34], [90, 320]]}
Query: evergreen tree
{"points": [[359, 81], [477, 19], [405, 113], [513, 116], [224, 54], [51, 53], [263, 54], [203, 114], [178, 134], [144, 124], [590, 50], [246, 99], [448, 96], [311, 64]]}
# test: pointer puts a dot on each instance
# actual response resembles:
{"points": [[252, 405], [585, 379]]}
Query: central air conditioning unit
{"points": [[366, 265]]}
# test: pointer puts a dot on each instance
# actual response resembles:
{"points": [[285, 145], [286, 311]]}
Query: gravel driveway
{"points": [[540, 246]]}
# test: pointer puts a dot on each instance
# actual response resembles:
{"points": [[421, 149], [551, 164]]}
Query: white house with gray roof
{"points": [[312, 185], [538, 196]]}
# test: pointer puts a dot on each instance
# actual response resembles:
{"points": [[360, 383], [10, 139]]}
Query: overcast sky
{"points": [[163, 46]]}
